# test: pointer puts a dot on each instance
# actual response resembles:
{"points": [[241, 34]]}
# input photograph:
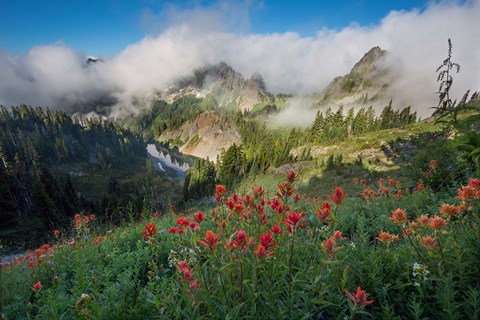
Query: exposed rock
{"points": [[226, 85], [366, 82], [205, 136]]}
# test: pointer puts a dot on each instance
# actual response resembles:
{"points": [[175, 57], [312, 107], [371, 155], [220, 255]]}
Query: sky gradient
{"points": [[106, 27]]}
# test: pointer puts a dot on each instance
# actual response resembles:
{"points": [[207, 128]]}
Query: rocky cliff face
{"points": [[366, 82], [227, 87], [205, 136]]}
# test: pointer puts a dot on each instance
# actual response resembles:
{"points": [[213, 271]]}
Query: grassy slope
{"points": [[315, 179]]}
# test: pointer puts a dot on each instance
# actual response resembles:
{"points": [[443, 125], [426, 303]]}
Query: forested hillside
{"points": [[53, 166]]}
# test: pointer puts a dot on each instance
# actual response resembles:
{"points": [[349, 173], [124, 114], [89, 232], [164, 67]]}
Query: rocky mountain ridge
{"points": [[366, 83]]}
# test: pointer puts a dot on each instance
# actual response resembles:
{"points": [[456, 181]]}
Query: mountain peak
{"points": [[369, 60], [363, 83]]}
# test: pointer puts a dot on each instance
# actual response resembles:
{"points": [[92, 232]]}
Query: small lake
{"points": [[164, 159]]}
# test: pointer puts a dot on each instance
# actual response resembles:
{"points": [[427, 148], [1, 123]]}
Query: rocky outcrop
{"points": [[205, 136], [366, 82], [223, 84]]}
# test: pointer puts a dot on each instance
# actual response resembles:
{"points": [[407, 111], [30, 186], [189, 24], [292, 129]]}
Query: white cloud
{"points": [[55, 76]]}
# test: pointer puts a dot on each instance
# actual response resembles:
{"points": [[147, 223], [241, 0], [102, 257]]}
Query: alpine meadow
{"points": [[240, 160]]}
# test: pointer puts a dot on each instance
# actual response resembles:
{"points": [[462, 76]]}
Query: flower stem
{"points": [[413, 245], [441, 252]]}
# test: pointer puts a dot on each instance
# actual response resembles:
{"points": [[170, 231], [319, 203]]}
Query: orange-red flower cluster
{"points": [[329, 246], [387, 237], [210, 241], [398, 217], [337, 196], [37, 286], [359, 298], [150, 231]]}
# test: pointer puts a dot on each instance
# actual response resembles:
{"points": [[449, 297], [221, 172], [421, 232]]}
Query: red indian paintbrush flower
{"points": [[429, 243], [293, 219], [150, 231], [437, 222], [337, 235], [387, 237], [291, 176], [199, 216], [324, 214], [359, 298], [399, 217], [220, 191], [338, 196], [276, 230], [37, 286], [329, 247], [266, 240], [261, 252], [210, 241], [474, 183], [466, 193]]}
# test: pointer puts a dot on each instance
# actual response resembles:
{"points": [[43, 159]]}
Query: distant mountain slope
{"points": [[222, 85], [365, 83], [205, 136]]}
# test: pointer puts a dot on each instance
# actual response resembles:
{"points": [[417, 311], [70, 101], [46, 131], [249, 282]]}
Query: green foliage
{"points": [[126, 275], [200, 180], [52, 165], [463, 117], [334, 127]]}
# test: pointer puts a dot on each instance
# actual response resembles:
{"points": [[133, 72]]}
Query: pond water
{"points": [[163, 158]]}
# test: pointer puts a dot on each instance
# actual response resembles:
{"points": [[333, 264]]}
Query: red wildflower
{"points": [[291, 176], [220, 190], [359, 298], [261, 252], [474, 183], [363, 181], [184, 222], [466, 193], [239, 208], [210, 241], [391, 183], [285, 190], [338, 196], [423, 219], [266, 240], [37, 286], [56, 233], [398, 217], [258, 191], [432, 165], [387, 237], [381, 182], [323, 215], [293, 219], [329, 247], [276, 230], [150, 231], [412, 225], [337, 235], [437, 222], [199, 216], [194, 284], [326, 205], [448, 210], [429, 243], [155, 214]]}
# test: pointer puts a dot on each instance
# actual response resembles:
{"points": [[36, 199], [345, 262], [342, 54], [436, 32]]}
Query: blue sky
{"points": [[106, 27]]}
